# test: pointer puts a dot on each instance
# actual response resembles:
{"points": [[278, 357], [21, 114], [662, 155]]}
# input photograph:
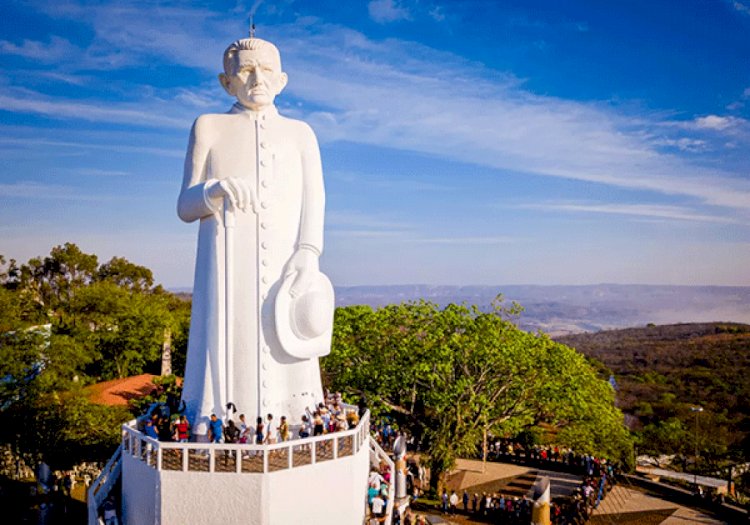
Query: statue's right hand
{"points": [[237, 190]]}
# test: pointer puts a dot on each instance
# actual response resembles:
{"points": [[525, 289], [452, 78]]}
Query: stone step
{"points": [[614, 502]]}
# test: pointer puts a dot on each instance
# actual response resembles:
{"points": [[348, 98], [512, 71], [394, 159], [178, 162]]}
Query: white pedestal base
{"points": [[331, 492]]}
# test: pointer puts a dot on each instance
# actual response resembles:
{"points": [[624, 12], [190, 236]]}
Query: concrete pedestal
{"points": [[331, 492]]}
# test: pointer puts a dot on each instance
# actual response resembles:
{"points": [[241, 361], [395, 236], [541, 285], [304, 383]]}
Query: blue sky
{"points": [[463, 142]]}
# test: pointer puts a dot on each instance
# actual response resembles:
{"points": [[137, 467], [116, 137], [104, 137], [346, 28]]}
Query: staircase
{"points": [[615, 503], [102, 486], [378, 456]]}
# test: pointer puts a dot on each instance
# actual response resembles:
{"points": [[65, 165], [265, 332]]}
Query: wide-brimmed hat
{"points": [[304, 324]]}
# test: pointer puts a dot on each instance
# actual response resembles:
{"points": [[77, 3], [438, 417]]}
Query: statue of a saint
{"points": [[262, 311]]}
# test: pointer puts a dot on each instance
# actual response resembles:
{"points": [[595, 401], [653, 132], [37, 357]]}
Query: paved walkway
{"points": [[627, 505], [507, 479], [623, 505]]}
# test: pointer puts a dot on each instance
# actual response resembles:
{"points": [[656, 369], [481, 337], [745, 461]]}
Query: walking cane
{"points": [[228, 306]]}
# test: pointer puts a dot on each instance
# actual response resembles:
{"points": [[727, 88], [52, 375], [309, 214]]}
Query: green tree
{"points": [[51, 282], [455, 374], [126, 274], [124, 327], [61, 428]]}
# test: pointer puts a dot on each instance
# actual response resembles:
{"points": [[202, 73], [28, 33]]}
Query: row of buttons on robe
{"points": [[265, 162], [264, 182]]}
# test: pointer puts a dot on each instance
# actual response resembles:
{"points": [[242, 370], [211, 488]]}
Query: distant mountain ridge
{"points": [[567, 309], [570, 309]]}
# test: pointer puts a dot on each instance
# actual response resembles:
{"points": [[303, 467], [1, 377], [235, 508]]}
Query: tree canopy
{"points": [[68, 321], [455, 373]]}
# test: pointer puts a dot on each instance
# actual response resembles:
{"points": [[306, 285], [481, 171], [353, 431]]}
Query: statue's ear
{"points": [[224, 81], [281, 83]]}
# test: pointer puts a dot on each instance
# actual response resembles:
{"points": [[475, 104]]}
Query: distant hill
{"points": [[663, 371], [561, 310]]}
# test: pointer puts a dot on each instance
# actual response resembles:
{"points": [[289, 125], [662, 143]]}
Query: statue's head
{"points": [[252, 72]]}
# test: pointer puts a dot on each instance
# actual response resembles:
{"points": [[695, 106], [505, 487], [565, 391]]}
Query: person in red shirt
{"points": [[182, 429]]}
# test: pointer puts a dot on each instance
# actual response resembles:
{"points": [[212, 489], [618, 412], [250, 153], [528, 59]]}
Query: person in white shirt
{"points": [[378, 505], [270, 438], [375, 479], [453, 501]]}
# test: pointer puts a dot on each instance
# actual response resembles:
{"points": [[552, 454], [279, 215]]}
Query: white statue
{"points": [[262, 311]]}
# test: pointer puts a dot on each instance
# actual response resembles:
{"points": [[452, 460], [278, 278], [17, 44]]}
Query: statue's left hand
{"points": [[305, 264]]}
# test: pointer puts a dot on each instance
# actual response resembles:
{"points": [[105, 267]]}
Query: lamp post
{"points": [[697, 410]]}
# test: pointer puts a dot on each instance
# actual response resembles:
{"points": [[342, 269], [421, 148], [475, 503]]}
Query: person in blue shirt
{"points": [[215, 429], [151, 429]]}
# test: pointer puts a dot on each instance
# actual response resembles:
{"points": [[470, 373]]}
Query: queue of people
{"points": [[378, 489], [548, 456], [599, 476], [327, 417]]}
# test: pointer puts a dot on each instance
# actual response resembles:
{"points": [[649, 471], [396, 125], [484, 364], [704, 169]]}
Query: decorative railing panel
{"points": [[244, 458]]}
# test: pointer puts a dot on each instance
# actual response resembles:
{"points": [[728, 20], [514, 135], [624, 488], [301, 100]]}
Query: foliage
{"points": [[61, 428], [167, 389], [453, 374], [663, 371], [68, 321]]}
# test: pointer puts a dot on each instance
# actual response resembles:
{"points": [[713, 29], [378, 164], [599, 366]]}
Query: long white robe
{"points": [[281, 159]]}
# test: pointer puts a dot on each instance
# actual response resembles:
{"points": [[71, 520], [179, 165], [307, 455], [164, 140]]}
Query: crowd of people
{"points": [[327, 417], [599, 476], [497, 508], [549, 456], [378, 493], [515, 510]]}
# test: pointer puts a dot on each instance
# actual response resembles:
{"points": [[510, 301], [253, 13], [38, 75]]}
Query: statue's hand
{"points": [[237, 190], [305, 264]]}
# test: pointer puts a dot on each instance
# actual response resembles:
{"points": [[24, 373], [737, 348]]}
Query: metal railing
{"points": [[102, 485], [378, 455], [245, 458]]}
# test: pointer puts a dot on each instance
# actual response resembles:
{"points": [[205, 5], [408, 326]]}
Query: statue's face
{"points": [[256, 80]]}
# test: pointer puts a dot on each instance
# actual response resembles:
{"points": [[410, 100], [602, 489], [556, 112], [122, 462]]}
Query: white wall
{"points": [[331, 492], [140, 492]]}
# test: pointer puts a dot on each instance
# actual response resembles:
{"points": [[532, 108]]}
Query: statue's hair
{"points": [[247, 44]]}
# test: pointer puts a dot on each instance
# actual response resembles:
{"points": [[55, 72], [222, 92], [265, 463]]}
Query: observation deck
{"points": [[320, 479]]}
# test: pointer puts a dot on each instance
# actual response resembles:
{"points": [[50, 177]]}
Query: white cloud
{"points": [[340, 219], [683, 144], [34, 143], [134, 114], [396, 94], [467, 240], [437, 13], [716, 122], [41, 52], [75, 80], [36, 190], [742, 8], [367, 234], [384, 11], [640, 210], [466, 118], [203, 99], [94, 172]]}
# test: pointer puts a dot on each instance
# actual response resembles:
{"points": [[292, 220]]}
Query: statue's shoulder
{"points": [[212, 120], [300, 127]]}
